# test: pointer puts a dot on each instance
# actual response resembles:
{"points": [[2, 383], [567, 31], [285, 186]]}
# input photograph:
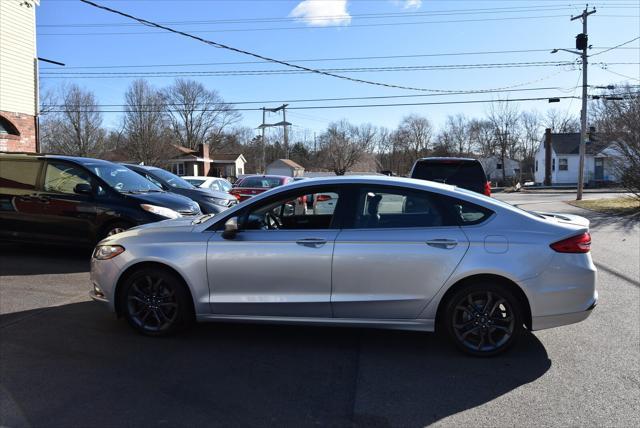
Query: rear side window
{"points": [[450, 172], [382, 207], [63, 178], [18, 177], [466, 213]]}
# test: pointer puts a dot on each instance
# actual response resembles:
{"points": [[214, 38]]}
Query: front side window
{"points": [[397, 208], [296, 211], [563, 164], [63, 178]]}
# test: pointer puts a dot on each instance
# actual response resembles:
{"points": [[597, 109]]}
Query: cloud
{"points": [[410, 4], [322, 13]]}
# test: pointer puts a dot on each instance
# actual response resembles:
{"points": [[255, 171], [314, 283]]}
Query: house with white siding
{"points": [[599, 162], [18, 76]]}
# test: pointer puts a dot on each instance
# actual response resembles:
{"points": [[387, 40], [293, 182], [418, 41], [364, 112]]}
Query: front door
{"points": [[397, 254], [70, 216], [599, 169], [278, 264]]}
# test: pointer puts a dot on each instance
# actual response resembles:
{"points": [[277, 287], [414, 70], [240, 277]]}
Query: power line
{"points": [[378, 97], [340, 106], [615, 47], [621, 75], [261, 57], [320, 18]]}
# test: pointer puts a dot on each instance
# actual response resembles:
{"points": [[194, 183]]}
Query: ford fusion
{"points": [[388, 253]]}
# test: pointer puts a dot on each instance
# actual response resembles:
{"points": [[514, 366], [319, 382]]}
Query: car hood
{"points": [[198, 193], [175, 202]]}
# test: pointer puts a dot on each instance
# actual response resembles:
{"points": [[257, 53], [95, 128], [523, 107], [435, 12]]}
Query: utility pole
{"points": [[265, 125], [264, 144], [582, 44]]}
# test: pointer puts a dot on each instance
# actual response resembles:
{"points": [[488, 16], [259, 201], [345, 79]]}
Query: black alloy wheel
{"points": [[155, 302], [483, 319]]}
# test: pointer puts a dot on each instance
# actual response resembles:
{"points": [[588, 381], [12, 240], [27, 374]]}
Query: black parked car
{"points": [[462, 172], [73, 200], [210, 201]]}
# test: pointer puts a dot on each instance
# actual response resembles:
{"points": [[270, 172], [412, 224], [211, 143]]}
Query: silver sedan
{"points": [[389, 253]]}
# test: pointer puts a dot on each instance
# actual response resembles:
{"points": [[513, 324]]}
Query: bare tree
{"points": [[559, 121], [197, 115], [145, 124], [75, 126], [457, 129], [532, 135], [344, 144], [418, 133], [483, 137], [505, 117], [617, 120]]}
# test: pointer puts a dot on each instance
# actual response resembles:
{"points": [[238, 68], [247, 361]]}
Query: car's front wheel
{"points": [[483, 319], [155, 302]]}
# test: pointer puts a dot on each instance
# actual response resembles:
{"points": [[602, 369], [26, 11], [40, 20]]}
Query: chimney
{"points": [[203, 150], [547, 157]]}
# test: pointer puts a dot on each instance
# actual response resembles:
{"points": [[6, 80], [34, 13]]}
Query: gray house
{"points": [[285, 167]]}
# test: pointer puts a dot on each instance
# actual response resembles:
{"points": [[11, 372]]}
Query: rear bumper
{"points": [[550, 321]]}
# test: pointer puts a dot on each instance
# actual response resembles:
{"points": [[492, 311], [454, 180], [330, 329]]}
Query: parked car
{"points": [[210, 201], [392, 253], [73, 200], [212, 183], [462, 172], [252, 185]]}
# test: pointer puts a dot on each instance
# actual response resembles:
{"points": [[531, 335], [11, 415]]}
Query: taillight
{"points": [[575, 244], [487, 188]]}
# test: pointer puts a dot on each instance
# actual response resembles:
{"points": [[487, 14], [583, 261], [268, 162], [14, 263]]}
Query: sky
{"points": [[339, 34]]}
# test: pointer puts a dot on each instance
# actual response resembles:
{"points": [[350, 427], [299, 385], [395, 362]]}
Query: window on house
{"points": [[563, 164], [536, 166], [7, 127], [553, 164], [499, 166], [177, 168]]}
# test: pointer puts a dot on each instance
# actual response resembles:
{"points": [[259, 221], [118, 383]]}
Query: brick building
{"points": [[18, 76]]}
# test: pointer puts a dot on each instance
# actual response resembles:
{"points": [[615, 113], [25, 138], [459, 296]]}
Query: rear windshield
{"points": [[267, 182], [450, 172]]}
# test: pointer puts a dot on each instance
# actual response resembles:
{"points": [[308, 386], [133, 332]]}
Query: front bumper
{"points": [[550, 321], [104, 277]]}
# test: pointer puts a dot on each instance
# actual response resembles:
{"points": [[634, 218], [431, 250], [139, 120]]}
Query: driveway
{"points": [[66, 362]]}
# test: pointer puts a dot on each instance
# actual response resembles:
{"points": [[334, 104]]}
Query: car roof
{"points": [[264, 176], [447, 159], [76, 159]]}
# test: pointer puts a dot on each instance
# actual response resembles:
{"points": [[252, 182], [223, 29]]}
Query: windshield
{"points": [[172, 179], [195, 181], [123, 179], [267, 182]]}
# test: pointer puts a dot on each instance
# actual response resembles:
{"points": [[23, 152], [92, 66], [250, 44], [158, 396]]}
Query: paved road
{"points": [[65, 362]]}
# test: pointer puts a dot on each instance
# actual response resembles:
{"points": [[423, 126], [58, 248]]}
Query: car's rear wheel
{"points": [[155, 302], [483, 319]]}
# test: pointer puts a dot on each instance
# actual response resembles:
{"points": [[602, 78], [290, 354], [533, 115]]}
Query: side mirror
{"points": [[230, 228], [83, 189]]}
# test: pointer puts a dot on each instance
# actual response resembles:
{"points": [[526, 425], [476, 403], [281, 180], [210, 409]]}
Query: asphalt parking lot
{"points": [[64, 361]]}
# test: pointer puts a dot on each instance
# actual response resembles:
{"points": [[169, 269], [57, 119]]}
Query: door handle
{"points": [[447, 244], [311, 242]]}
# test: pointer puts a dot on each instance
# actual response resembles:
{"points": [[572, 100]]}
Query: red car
{"points": [[252, 185]]}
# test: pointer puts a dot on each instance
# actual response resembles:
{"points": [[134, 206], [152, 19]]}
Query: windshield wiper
{"points": [[203, 218]]}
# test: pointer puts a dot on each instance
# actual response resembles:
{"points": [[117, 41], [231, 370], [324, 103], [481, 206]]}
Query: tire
{"points": [[156, 302], [112, 229], [483, 319]]}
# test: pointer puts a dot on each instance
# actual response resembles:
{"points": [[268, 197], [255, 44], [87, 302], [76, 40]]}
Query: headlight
{"points": [[219, 201], [106, 252], [161, 211]]}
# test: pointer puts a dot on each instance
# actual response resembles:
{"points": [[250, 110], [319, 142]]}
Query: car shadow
{"points": [[29, 259], [75, 365]]}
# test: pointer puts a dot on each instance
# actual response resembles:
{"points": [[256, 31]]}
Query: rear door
{"points": [[21, 213], [395, 254]]}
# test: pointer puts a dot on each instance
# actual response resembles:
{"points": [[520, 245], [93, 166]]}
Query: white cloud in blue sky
{"points": [[412, 4], [322, 13]]}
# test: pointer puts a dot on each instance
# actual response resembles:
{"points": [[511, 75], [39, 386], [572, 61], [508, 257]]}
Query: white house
{"points": [[493, 168], [18, 76], [599, 161], [285, 167]]}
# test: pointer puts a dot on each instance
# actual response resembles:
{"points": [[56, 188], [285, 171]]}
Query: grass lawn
{"points": [[618, 206]]}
